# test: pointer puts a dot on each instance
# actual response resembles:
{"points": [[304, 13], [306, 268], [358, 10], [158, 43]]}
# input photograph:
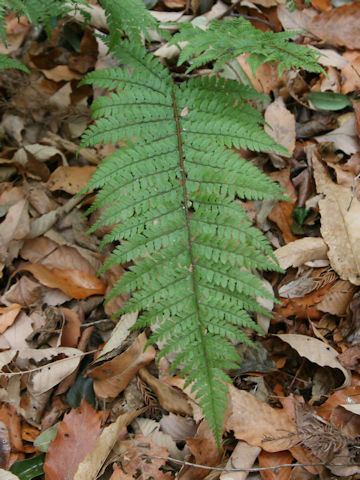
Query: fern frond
{"points": [[129, 16], [171, 192], [8, 62], [225, 40]]}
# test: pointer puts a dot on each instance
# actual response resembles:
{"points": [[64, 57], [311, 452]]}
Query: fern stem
{"points": [[201, 326]]}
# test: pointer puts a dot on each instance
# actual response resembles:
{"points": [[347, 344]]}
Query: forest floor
{"points": [[298, 393]]}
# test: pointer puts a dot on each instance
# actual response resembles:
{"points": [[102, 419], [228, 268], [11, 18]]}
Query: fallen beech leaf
{"points": [[258, 424], [112, 377], [243, 456], [70, 179], [16, 225], [281, 124], [270, 459], [340, 225], [266, 76], [316, 351], [25, 292], [76, 436], [169, 398], [345, 396], [92, 463], [8, 316], [351, 72], [339, 26], [300, 251], [74, 283], [295, 19], [71, 330], [61, 73]]}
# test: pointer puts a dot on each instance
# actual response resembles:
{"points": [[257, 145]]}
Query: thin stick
{"points": [[259, 469]]}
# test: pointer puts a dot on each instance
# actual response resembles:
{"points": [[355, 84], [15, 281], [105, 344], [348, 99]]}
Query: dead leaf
{"points": [[132, 452], [8, 316], [295, 19], [169, 398], [71, 330], [16, 31], [74, 283], [271, 459], [112, 377], [281, 124], [76, 436], [70, 179], [301, 251], [61, 73], [337, 298], [351, 72], [243, 456], [16, 225], [90, 466], [258, 424], [316, 351], [344, 138], [266, 77], [26, 292], [340, 226], [339, 27]]}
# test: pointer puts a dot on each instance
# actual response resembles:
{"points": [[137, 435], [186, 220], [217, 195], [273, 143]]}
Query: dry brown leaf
{"points": [[270, 459], [16, 31], [169, 398], [92, 463], [339, 27], [131, 453], [296, 19], [112, 377], [316, 351], [266, 77], [301, 251], [16, 225], [337, 298], [340, 226], [281, 124], [258, 424], [74, 283], [351, 72], [26, 292], [70, 179], [8, 316], [61, 73]]}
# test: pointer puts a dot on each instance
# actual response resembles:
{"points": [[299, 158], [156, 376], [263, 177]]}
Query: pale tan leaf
{"points": [[281, 124], [300, 251], [316, 351], [337, 298], [8, 316], [6, 475], [243, 456], [344, 138], [16, 225], [340, 226]]}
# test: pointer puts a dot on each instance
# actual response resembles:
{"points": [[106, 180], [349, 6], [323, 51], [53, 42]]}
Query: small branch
{"points": [[258, 469]]}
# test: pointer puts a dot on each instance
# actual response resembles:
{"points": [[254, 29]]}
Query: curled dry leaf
{"points": [[8, 316], [169, 398], [46, 376], [76, 436], [340, 225], [258, 424], [270, 459], [344, 138], [74, 283], [337, 298], [316, 351], [112, 377]]}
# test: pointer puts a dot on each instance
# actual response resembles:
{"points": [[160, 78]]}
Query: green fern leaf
{"points": [[171, 194], [224, 40], [8, 62]]}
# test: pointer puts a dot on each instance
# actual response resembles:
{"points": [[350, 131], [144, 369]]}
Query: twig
{"points": [[258, 469]]}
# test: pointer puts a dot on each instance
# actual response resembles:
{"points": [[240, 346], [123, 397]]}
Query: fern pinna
{"points": [[171, 193]]}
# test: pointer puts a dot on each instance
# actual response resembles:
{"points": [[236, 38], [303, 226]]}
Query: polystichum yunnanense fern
{"points": [[171, 192]]}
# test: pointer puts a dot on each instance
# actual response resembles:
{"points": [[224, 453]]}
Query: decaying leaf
{"points": [[301, 251], [76, 436], [340, 225], [243, 456], [281, 124], [258, 424], [113, 376]]}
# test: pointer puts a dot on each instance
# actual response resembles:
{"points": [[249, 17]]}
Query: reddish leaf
{"points": [[270, 459], [75, 283], [76, 436]]}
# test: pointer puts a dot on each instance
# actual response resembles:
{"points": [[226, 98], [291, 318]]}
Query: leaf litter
{"points": [[80, 376]]}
